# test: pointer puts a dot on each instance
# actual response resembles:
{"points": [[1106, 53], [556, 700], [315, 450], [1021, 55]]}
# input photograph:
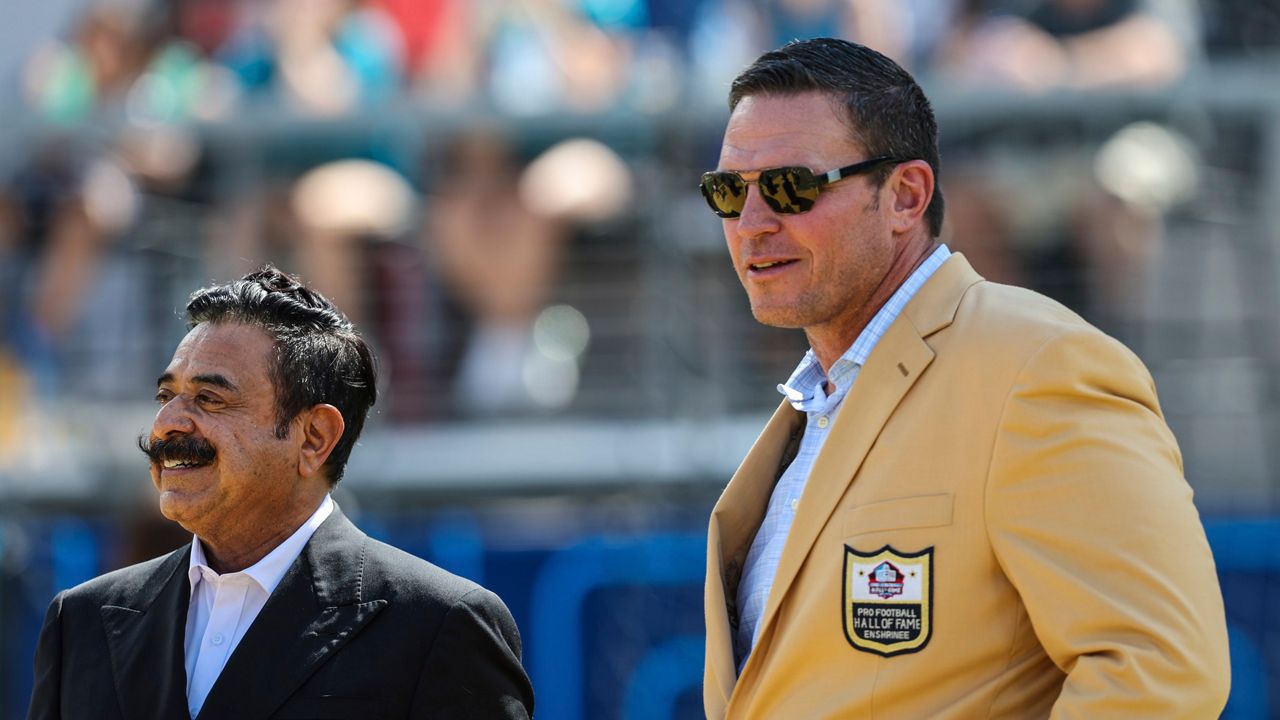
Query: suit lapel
{"points": [[899, 359], [875, 394], [314, 611], [738, 513], [734, 522], [146, 643]]}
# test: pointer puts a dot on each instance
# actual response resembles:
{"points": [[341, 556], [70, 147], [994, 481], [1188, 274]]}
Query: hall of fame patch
{"points": [[888, 600]]}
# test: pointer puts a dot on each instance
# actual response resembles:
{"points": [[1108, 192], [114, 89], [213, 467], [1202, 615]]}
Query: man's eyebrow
{"points": [[213, 379]]}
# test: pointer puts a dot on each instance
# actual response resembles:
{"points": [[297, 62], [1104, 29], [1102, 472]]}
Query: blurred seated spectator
{"points": [[1031, 210], [496, 232], [60, 219], [548, 55], [324, 57], [1085, 44], [443, 51], [69, 216], [788, 20], [340, 207], [13, 411], [124, 61], [727, 35], [109, 48], [497, 258], [350, 232]]}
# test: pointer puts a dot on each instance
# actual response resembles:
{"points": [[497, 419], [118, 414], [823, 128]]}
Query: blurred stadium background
{"points": [[502, 193]]}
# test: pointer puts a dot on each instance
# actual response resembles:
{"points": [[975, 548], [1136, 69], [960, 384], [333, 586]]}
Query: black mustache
{"points": [[184, 448]]}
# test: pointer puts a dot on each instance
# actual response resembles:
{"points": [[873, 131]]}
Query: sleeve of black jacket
{"points": [[47, 691], [474, 668]]}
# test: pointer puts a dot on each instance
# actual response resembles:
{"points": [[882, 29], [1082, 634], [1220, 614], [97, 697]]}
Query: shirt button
{"points": [[216, 639], [823, 421], [795, 504]]}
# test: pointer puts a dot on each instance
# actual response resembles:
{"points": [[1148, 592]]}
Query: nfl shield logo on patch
{"points": [[888, 600]]}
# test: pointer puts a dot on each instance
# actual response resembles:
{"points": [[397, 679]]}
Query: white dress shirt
{"points": [[224, 606]]}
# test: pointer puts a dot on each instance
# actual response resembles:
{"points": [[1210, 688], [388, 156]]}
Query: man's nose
{"points": [[756, 218], [173, 418]]}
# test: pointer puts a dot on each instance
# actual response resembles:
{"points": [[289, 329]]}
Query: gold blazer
{"points": [[997, 527]]}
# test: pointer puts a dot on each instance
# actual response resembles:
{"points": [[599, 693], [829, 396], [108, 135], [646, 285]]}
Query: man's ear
{"points": [[911, 186], [322, 427]]}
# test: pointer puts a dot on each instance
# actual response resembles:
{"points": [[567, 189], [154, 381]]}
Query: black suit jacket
{"points": [[356, 629]]}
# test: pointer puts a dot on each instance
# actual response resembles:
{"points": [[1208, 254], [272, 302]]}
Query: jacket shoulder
{"points": [[1019, 333], [128, 586], [1017, 319], [1017, 310], [392, 572]]}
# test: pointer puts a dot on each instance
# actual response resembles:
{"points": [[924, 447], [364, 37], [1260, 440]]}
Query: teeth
{"points": [[170, 464], [762, 266]]}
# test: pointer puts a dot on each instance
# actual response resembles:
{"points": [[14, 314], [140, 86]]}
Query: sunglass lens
{"points": [[788, 190], [725, 192]]}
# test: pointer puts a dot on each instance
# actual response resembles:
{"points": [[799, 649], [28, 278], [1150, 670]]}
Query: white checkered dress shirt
{"points": [[805, 390]]}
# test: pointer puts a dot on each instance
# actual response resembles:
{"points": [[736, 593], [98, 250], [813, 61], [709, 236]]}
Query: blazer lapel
{"points": [[734, 523], [147, 646], [314, 611], [896, 363]]}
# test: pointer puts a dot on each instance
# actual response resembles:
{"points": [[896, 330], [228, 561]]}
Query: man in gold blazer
{"points": [[968, 504]]}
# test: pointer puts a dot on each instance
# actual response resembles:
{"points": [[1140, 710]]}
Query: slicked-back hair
{"points": [[318, 357], [887, 112]]}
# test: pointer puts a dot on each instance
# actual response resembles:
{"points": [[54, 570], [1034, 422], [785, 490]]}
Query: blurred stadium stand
{"points": [[581, 497]]}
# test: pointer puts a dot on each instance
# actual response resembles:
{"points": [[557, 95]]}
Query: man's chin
{"points": [[182, 508], [779, 317]]}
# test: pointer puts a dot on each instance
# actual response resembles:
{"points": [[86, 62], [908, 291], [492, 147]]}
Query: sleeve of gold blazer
{"points": [[1092, 521]]}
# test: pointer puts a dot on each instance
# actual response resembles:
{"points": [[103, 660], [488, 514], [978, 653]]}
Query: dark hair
{"points": [[318, 355], [888, 113]]}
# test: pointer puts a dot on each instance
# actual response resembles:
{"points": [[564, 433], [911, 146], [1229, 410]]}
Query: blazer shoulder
{"points": [[390, 571], [1013, 304], [1017, 316], [1015, 329], [130, 586]]}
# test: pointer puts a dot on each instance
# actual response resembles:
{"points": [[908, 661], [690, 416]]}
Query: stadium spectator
{"points": [[1041, 217], [58, 229], [498, 260], [109, 48], [323, 57], [1085, 44]]}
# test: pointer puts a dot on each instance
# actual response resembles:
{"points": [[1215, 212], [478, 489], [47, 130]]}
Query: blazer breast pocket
{"points": [[920, 511], [328, 707]]}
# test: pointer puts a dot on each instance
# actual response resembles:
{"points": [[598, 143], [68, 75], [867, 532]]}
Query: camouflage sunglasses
{"points": [[787, 190]]}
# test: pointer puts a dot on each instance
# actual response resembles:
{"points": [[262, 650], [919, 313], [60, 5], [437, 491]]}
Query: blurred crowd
{"points": [[166, 60], [473, 230]]}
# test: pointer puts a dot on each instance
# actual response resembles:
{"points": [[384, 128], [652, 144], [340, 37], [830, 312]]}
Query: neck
{"points": [[227, 553], [831, 341]]}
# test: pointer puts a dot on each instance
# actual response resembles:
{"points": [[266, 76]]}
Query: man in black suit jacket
{"points": [[280, 607]]}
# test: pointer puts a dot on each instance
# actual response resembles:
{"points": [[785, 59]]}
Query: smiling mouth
{"points": [[767, 265], [181, 452], [172, 464]]}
